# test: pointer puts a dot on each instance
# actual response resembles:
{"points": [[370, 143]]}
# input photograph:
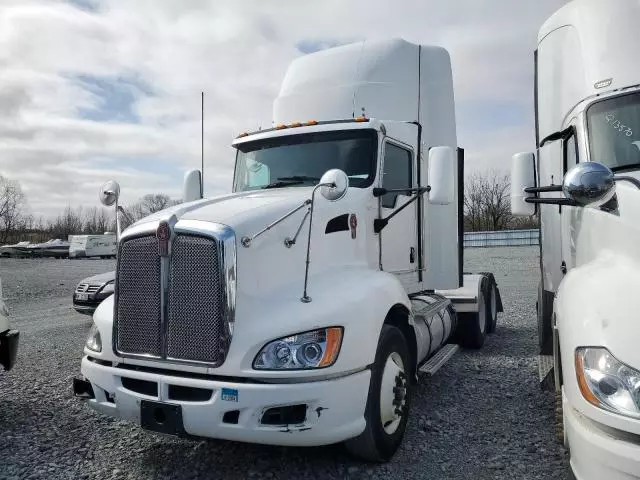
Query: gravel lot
{"points": [[482, 416]]}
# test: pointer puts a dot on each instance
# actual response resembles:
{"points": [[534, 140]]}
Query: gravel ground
{"points": [[482, 416]]}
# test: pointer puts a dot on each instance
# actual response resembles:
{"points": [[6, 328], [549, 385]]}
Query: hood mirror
{"points": [[109, 193], [589, 184], [339, 179]]}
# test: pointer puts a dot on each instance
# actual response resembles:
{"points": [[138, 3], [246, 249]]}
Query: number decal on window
{"points": [[611, 119]]}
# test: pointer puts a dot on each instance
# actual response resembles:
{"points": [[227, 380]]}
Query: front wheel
{"points": [[388, 401]]}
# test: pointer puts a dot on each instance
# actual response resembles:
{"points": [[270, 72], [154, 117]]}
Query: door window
{"points": [[397, 172]]}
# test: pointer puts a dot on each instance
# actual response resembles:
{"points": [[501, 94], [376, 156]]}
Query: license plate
{"points": [[161, 417], [82, 296]]}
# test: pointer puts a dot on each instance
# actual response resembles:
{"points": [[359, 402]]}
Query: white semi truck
{"points": [[298, 309], [584, 185], [8, 338]]}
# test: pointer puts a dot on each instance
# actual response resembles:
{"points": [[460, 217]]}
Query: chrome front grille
{"points": [[138, 318], [86, 288], [178, 307], [194, 317]]}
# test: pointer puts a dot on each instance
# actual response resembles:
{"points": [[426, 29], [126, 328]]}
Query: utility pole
{"points": [[202, 146]]}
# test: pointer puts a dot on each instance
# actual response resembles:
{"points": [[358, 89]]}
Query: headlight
{"points": [[607, 383], [315, 349], [108, 288], [94, 342]]}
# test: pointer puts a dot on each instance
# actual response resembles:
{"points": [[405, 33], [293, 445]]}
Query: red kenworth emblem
{"points": [[353, 223], [162, 234]]}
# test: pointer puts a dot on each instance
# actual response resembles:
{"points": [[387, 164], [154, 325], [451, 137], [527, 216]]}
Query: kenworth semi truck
{"points": [[584, 185], [299, 309]]}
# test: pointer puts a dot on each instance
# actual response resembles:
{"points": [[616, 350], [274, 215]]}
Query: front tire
{"points": [[388, 401]]}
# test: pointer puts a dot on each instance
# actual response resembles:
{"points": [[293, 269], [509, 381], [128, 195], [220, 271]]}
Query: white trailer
{"points": [[584, 185], [299, 309], [9, 338], [87, 246]]}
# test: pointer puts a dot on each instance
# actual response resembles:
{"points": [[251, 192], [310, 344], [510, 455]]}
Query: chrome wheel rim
{"points": [[393, 391]]}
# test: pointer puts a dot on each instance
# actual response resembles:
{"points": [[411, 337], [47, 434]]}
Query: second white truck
{"points": [[300, 308], [584, 183]]}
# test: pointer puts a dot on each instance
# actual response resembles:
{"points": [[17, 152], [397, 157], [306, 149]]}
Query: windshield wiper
{"points": [[283, 183], [300, 178], [294, 180]]}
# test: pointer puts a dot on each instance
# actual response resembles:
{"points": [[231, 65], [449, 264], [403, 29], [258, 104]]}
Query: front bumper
{"points": [[234, 411], [597, 453], [9, 348]]}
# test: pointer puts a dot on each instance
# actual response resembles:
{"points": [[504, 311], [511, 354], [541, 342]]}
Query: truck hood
{"points": [[248, 213], [240, 209]]}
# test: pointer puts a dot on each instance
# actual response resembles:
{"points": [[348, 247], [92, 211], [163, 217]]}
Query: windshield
{"points": [[614, 132], [300, 160]]}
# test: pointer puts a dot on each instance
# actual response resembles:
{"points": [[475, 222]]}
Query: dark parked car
{"points": [[93, 290]]}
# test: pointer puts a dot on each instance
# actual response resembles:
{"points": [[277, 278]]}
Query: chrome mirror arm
{"points": [[289, 242], [623, 178], [306, 298], [246, 241]]}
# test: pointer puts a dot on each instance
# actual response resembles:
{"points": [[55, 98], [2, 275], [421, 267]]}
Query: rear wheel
{"points": [[388, 401], [492, 308]]}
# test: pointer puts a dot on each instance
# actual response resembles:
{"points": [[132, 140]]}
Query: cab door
{"points": [[399, 238]]}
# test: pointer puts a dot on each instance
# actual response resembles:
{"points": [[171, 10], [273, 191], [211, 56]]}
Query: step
{"points": [[439, 359], [545, 372]]}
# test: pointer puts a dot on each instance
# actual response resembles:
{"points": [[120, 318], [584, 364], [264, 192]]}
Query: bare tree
{"points": [[150, 203], [69, 223], [12, 205], [486, 200]]}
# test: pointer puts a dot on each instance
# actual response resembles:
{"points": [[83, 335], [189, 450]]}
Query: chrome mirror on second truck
{"points": [[589, 184]]}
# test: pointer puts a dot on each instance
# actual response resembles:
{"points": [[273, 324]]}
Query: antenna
{"points": [[202, 146]]}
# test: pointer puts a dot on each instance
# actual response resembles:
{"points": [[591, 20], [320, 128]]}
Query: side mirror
{"points": [[589, 184], [442, 161], [341, 181], [523, 175], [192, 186], [109, 193]]}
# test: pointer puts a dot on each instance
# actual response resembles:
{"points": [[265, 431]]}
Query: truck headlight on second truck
{"points": [[608, 383]]}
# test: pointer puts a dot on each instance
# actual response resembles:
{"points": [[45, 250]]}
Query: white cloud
{"points": [[237, 52]]}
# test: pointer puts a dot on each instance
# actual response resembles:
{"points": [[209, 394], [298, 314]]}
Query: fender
{"points": [[597, 305], [358, 299]]}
